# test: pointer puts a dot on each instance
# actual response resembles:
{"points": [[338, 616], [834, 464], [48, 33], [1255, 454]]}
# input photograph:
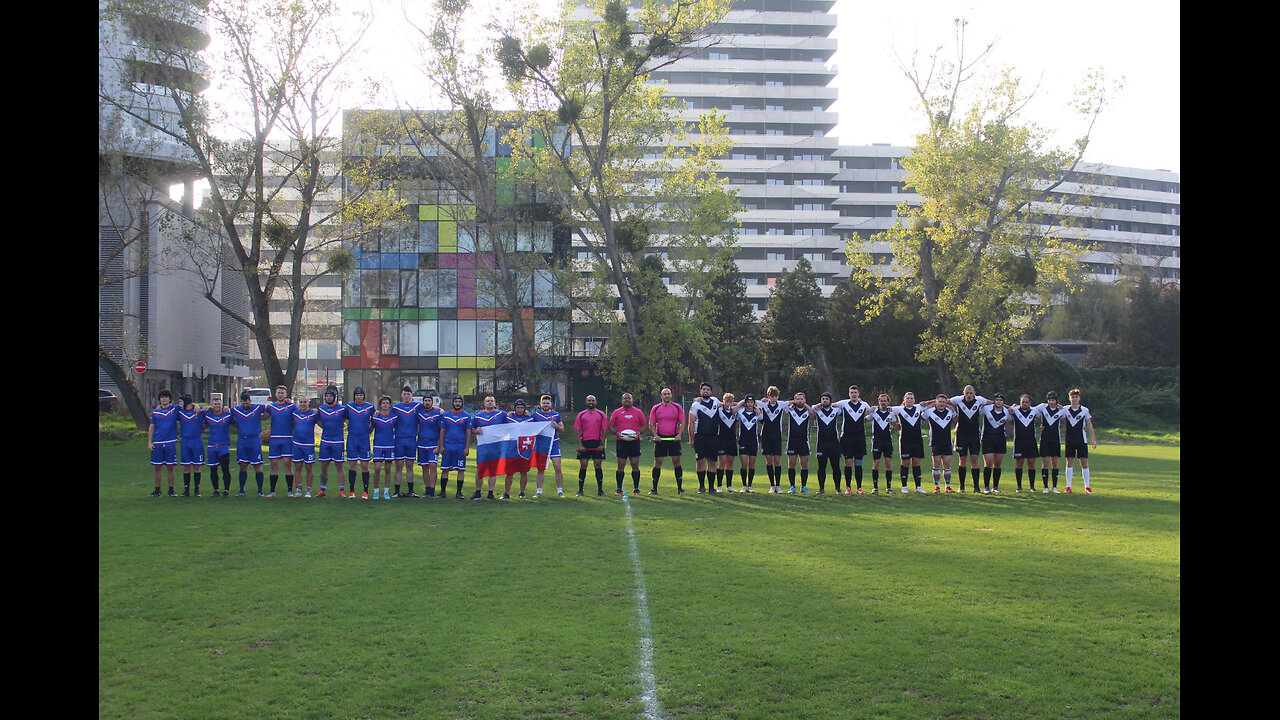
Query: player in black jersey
{"points": [[799, 413], [1051, 414], [941, 417], [748, 440], [883, 421], [1078, 420], [772, 413], [853, 438], [968, 408], [828, 419], [727, 427], [704, 433], [910, 441], [1025, 447], [994, 418]]}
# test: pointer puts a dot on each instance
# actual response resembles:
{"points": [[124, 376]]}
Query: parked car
{"points": [[107, 400], [257, 395]]}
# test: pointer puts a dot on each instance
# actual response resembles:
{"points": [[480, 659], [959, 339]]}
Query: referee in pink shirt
{"points": [[667, 420], [591, 424], [628, 417]]}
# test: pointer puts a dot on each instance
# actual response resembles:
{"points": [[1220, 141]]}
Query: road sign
{"points": [[140, 367]]}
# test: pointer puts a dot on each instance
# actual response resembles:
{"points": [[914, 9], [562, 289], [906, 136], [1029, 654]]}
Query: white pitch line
{"points": [[648, 685]]}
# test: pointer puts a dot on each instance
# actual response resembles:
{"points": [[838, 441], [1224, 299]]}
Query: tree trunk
{"points": [[128, 390], [946, 379], [825, 377]]}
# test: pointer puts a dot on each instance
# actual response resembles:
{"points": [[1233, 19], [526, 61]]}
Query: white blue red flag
{"points": [[513, 448]]}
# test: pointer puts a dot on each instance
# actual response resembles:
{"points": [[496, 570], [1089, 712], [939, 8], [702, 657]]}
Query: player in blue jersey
{"points": [[489, 415], [455, 435], [248, 419], [218, 452], [304, 443], [406, 412], [280, 442], [518, 414], [162, 439], [333, 418], [191, 429], [428, 442], [546, 413], [359, 425], [384, 444]]}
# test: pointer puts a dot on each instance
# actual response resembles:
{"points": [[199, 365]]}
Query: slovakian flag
{"points": [[513, 448]]}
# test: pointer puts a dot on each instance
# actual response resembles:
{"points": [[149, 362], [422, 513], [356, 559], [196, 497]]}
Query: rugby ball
{"points": [[628, 435]]}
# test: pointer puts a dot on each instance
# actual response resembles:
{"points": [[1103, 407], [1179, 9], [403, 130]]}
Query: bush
{"points": [[1130, 375], [1034, 373]]}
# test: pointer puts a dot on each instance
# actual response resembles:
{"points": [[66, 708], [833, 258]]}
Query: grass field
{"points": [[762, 606]]}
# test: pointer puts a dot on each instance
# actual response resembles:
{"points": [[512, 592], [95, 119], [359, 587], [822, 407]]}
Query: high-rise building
{"points": [[151, 308]]}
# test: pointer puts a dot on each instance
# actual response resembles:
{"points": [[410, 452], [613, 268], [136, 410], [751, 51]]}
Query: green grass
{"points": [[762, 606]]}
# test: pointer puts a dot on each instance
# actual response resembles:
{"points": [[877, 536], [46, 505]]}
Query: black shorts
{"points": [[881, 447], [666, 448], [706, 447], [729, 445], [968, 445], [994, 444], [748, 445], [829, 449], [771, 444], [940, 450], [1049, 447], [798, 446], [627, 448], [591, 450], [853, 445], [1077, 450], [911, 448], [1025, 448]]}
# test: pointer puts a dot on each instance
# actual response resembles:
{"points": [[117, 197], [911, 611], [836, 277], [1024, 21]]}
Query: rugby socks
{"points": [[619, 475], [1069, 472], [197, 483], [995, 479], [288, 482], [1044, 477], [728, 478], [1055, 478], [582, 477], [351, 480], [719, 478], [186, 481], [635, 481], [973, 476], [742, 475], [986, 479], [804, 477], [905, 469], [1084, 472], [657, 473], [791, 477], [274, 479], [822, 476], [600, 479], [702, 481], [937, 477], [875, 478], [848, 474], [679, 478], [364, 476], [751, 475], [915, 473], [244, 478]]}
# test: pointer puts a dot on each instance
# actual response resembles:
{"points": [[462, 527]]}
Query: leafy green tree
{"points": [[794, 327], [631, 177], [979, 257], [1150, 325], [858, 342], [275, 203], [735, 357]]}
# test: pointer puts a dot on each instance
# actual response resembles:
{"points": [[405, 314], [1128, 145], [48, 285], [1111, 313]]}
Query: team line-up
{"points": [[719, 429]]}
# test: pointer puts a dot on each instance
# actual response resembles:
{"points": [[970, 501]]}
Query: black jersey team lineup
{"points": [[725, 431]]}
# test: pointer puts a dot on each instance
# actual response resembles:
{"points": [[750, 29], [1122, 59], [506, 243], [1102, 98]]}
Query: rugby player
{"points": [[546, 413], [1078, 420], [304, 444], [853, 437], [771, 437], [994, 418], [455, 437], [940, 416], [248, 419], [162, 439], [910, 440], [359, 425], [384, 445], [800, 414], [218, 452], [827, 417], [280, 443], [883, 421], [704, 433], [333, 418], [191, 427], [406, 412], [490, 415]]}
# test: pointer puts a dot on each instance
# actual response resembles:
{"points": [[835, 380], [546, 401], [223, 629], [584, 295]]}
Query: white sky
{"points": [[1136, 39]]}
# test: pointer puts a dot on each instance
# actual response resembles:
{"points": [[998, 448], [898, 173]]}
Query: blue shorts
{"points": [[384, 454], [304, 453], [279, 448], [555, 449], [330, 451], [406, 448], [192, 453], [453, 458], [427, 456], [358, 448], [166, 454], [249, 450], [216, 452]]}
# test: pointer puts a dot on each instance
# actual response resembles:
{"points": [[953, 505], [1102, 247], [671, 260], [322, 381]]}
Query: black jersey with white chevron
{"points": [[771, 422], [828, 423]]}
